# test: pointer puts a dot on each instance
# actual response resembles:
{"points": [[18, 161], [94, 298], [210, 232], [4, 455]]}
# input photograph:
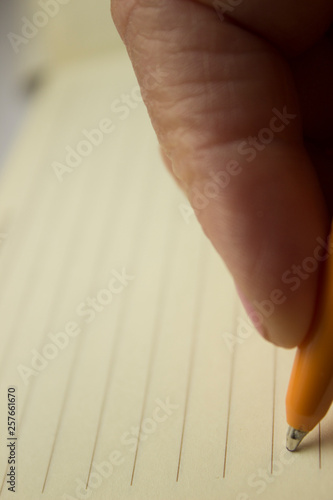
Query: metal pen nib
{"points": [[294, 437]]}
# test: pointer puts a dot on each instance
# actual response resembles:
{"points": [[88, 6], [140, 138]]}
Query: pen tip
{"points": [[294, 437]]}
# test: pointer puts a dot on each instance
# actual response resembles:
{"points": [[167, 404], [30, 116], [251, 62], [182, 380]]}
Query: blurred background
{"points": [[38, 37]]}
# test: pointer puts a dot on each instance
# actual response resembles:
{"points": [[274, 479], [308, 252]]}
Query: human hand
{"points": [[240, 96]]}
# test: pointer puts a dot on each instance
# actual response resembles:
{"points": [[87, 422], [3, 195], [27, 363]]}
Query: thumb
{"points": [[223, 104]]}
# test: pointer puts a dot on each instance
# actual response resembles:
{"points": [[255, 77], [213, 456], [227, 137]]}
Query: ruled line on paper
{"points": [[156, 335], [198, 308], [231, 383], [114, 350], [273, 409], [63, 405], [146, 389]]}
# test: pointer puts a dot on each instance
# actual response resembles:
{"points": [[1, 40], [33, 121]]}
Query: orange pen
{"points": [[310, 390]]}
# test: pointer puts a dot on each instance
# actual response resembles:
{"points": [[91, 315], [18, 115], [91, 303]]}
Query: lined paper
{"points": [[159, 395]]}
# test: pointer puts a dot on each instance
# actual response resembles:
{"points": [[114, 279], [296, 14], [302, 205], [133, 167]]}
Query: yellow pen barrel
{"points": [[310, 390]]}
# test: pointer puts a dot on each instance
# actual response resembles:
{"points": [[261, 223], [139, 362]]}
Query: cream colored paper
{"points": [[169, 353]]}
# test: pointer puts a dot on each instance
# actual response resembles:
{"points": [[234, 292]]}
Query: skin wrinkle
{"points": [[217, 64]]}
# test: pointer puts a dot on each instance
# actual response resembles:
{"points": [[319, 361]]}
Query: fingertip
{"points": [[284, 315], [271, 231]]}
